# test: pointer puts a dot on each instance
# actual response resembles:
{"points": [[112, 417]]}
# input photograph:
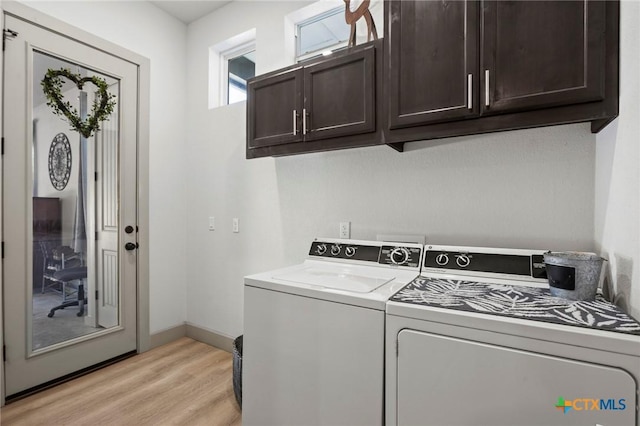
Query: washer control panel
{"points": [[383, 253], [400, 256], [340, 250]]}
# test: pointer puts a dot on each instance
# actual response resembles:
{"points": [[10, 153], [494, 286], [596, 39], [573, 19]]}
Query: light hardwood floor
{"points": [[182, 383]]}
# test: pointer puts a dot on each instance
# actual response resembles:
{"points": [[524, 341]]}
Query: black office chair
{"points": [[55, 258], [69, 275]]}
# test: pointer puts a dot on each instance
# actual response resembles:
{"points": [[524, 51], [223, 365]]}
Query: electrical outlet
{"points": [[212, 223], [345, 229], [236, 225]]}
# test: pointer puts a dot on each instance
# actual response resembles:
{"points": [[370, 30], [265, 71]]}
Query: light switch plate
{"points": [[345, 229], [236, 225]]}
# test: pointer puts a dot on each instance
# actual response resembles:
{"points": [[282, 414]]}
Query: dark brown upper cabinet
{"points": [[325, 104], [340, 96], [498, 65], [274, 106], [539, 54], [433, 61]]}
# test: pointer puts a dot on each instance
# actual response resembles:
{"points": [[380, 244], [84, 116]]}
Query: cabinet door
{"points": [[340, 96], [274, 109], [432, 66], [539, 54]]}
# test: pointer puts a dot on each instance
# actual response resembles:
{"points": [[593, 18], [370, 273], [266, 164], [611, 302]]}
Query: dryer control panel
{"points": [[498, 261]]}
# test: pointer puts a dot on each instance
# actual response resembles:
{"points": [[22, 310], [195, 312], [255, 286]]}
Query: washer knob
{"points": [[399, 255], [321, 249], [463, 260], [442, 259], [350, 251], [335, 249]]}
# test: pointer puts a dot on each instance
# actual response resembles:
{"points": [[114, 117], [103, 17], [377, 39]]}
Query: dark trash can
{"points": [[237, 369]]}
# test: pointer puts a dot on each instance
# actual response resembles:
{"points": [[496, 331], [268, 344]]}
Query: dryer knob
{"points": [[442, 259], [350, 251], [321, 249], [463, 260], [335, 249], [399, 255]]}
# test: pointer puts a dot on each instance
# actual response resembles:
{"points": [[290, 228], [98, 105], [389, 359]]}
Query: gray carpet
{"points": [[64, 325]]}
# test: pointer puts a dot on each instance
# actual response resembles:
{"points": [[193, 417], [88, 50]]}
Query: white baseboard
{"points": [[167, 336], [210, 337]]}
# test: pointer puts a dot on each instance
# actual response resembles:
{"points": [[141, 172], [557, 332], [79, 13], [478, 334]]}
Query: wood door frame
{"points": [[40, 19]]}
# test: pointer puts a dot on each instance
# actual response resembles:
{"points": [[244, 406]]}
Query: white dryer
{"points": [[314, 334], [478, 340]]}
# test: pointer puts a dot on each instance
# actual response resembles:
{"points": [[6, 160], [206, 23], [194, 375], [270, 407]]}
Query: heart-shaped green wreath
{"points": [[103, 103]]}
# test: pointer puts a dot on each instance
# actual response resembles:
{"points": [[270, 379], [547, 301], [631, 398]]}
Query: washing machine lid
{"points": [[356, 280], [359, 285]]}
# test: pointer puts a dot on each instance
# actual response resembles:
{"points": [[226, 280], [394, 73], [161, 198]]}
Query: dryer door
{"points": [[448, 381]]}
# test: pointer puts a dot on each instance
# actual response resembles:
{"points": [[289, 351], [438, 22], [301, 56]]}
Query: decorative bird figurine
{"points": [[353, 17]]}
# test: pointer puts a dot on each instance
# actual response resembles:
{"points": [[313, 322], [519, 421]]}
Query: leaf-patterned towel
{"points": [[523, 302]]}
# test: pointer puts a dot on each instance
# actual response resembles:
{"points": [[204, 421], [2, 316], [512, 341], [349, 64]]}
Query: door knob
{"points": [[128, 229], [130, 246]]}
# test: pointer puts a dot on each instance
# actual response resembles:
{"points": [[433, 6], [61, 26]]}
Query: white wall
{"points": [[522, 189], [150, 32], [617, 193], [221, 183]]}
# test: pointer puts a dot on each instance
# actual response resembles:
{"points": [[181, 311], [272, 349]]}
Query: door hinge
{"points": [[95, 176], [97, 295], [397, 348], [96, 235], [2, 249], [8, 35], [4, 352], [2, 152]]}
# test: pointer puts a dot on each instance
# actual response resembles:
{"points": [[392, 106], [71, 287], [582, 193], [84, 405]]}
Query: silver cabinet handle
{"points": [[304, 121], [295, 122], [470, 91], [486, 87]]}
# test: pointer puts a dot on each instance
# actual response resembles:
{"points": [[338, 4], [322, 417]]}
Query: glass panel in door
{"points": [[75, 215]]}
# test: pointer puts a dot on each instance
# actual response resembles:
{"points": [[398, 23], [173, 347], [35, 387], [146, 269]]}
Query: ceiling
{"points": [[185, 10], [189, 10]]}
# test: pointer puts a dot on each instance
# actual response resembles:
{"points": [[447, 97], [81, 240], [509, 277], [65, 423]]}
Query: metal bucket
{"points": [[573, 275]]}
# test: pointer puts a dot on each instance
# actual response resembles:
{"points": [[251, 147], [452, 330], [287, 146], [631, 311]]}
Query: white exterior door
{"points": [[70, 208], [106, 155]]}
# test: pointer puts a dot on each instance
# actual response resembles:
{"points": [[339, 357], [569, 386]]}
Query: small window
{"points": [[239, 66], [323, 33], [231, 63], [239, 70]]}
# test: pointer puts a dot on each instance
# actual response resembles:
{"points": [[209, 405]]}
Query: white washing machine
{"points": [[478, 340], [314, 334]]}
